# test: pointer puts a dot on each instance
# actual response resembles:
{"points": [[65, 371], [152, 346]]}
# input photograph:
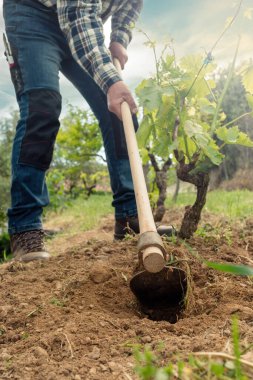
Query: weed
{"points": [[57, 302], [5, 257], [171, 239], [24, 335], [200, 365], [236, 345], [239, 270], [218, 233], [2, 331], [8, 363], [35, 312]]}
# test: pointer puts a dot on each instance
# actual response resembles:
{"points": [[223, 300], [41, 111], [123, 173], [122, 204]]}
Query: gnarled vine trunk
{"points": [[161, 176], [89, 188], [185, 172], [193, 213]]}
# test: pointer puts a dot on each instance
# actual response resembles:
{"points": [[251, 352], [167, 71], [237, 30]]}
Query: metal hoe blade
{"points": [[162, 291]]}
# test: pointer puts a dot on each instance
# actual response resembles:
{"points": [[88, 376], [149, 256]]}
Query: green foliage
{"points": [[56, 186], [206, 366], [146, 365], [232, 135], [90, 180], [79, 137], [4, 246], [57, 302], [236, 345], [239, 270], [76, 170], [183, 117], [186, 117], [237, 105], [7, 130]]}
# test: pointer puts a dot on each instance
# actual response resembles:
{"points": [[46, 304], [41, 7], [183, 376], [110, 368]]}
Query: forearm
{"points": [[83, 29]]}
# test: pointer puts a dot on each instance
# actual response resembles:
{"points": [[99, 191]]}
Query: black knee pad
{"points": [[42, 126]]}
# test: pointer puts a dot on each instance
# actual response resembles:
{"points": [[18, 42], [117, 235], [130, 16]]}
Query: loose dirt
{"points": [[74, 316]]}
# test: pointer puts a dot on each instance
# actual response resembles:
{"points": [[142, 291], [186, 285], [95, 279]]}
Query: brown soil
{"points": [[74, 316], [242, 180]]}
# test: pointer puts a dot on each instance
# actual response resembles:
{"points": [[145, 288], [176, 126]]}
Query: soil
{"points": [[241, 181], [74, 317]]}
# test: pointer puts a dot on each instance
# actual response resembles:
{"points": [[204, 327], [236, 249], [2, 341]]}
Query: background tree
{"points": [[7, 130], [234, 105], [78, 165]]}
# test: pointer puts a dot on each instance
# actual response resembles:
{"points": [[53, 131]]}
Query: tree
{"points": [[183, 116], [76, 163], [234, 105]]}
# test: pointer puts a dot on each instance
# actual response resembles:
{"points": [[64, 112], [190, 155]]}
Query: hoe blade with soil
{"points": [[155, 287], [161, 290]]}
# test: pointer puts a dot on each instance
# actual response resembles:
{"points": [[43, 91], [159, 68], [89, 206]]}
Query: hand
{"points": [[116, 95], [118, 51]]}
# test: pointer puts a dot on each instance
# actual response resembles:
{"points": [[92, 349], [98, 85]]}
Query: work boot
{"points": [[126, 226], [28, 246], [130, 226]]}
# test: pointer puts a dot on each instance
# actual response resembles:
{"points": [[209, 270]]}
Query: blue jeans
{"points": [[40, 51]]}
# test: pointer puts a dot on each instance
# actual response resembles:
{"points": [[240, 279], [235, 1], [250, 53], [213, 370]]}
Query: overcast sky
{"points": [[194, 26]]}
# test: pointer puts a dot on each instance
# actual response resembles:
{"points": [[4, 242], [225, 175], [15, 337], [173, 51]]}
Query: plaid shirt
{"points": [[82, 23]]}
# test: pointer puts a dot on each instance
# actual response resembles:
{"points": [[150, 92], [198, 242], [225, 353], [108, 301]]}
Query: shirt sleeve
{"points": [[81, 24], [123, 21]]}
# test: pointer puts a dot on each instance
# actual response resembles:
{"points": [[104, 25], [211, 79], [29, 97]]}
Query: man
{"points": [[45, 37]]}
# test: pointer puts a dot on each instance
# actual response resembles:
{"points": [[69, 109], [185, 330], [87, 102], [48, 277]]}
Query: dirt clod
{"points": [[100, 272], [95, 353], [40, 353]]}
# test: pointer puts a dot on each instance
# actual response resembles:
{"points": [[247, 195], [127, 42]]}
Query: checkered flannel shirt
{"points": [[82, 23]]}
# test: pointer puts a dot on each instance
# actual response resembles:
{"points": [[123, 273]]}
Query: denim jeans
{"points": [[40, 52]]}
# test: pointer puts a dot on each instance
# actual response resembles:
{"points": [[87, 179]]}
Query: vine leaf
{"points": [[212, 152], [144, 132], [197, 132], [149, 93], [233, 136]]}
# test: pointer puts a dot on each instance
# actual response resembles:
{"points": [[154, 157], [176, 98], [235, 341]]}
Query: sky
{"points": [[193, 25]]}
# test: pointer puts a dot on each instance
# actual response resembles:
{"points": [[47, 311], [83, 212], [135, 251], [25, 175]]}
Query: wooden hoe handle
{"points": [[150, 243]]}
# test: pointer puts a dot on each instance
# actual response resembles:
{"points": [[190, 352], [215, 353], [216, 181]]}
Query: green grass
{"points": [[233, 204], [80, 214], [84, 214]]}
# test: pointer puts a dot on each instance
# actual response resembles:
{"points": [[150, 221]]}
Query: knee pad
{"points": [[42, 125]]}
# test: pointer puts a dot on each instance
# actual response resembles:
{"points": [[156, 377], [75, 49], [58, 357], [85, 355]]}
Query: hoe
{"points": [[155, 286]]}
